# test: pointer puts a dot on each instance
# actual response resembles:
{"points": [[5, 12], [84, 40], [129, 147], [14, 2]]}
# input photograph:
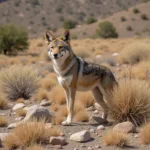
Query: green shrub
{"points": [[135, 10], [123, 19], [144, 17], [19, 81], [69, 24], [12, 38], [91, 20], [106, 30]]}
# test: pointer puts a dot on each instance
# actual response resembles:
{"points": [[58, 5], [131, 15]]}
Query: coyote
{"points": [[75, 74]]}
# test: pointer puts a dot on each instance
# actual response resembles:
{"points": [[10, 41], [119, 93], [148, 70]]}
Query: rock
{"points": [[75, 149], [2, 114], [57, 140], [96, 112], [83, 145], [58, 146], [81, 136], [92, 130], [38, 112], [98, 120], [90, 148], [100, 127], [97, 106], [97, 146], [115, 54], [45, 103], [19, 118], [18, 106], [91, 108], [125, 127]]}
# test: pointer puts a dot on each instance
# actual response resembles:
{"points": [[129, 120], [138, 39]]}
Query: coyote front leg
{"points": [[70, 98]]}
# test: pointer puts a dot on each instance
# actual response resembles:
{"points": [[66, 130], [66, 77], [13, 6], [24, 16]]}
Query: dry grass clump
{"points": [[3, 121], [21, 112], [30, 133], [42, 94], [81, 116], [3, 101], [35, 147], [19, 81], [113, 138], [131, 101], [85, 98], [3, 61], [20, 100], [48, 83], [57, 95], [144, 135], [135, 52]]}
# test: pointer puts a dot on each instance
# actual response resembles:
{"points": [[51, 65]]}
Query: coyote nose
{"points": [[55, 55]]}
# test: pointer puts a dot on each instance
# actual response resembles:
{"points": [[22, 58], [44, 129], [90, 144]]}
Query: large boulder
{"points": [[82, 136], [125, 127], [38, 112]]}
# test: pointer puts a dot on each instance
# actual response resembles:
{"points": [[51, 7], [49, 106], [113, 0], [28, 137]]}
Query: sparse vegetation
{"points": [[35, 147], [81, 116], [91, 20], [113, 138], [135, 53], [106, 30], [19, 81], [136, 10], [21, 112], [69, 24], [144, 17], [3, 121], [13, 38], [42, 94], [131, 101], [123, 19], [129, 28], [3, 101]]}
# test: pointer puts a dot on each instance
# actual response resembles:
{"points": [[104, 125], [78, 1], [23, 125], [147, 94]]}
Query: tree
{"points": [[106, 30], [12, 38]]}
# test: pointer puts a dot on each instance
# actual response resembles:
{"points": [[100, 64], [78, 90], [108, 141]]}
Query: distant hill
{"points": [[38, 15]]}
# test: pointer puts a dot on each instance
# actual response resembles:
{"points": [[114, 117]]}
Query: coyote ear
{"points": [[49, 36], [66, 36]]}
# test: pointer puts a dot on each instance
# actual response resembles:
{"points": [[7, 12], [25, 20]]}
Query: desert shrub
{"points": [[113, 138], [81, 116], [144, 135], [3, 121], [12, 38], [34, 2], [21, 112], [136, 10], [129, 28], [123, 19], [106, 30], [59, 9], [131, 102], [135, 53], [42, 94], [35, 147], [29, 133], [144, 17], [3, 101], [19, 81], [69, 24], [91, 20]]}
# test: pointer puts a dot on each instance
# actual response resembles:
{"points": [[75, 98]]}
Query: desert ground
{"points": [[29, 89]]}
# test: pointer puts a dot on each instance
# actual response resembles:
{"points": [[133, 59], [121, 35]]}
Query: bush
{"points": [[19, 81], [123, 19], [69, 24], [135, 10], [144, 17], [131, 102], [91, 20], [135, 53], [34, 2], [3, 101], [129, 28], [12, 38], [106, 30]]}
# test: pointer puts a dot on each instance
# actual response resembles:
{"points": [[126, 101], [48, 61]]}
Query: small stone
{"points": [[136, 136], [76, 149], [3, 136], [45, 103], [58, 146], [125, 127], [83, 145], [96, 112], [57, 140], [2, 114], [100, 127], [90, 148], [97, 106], [18, 106], [81, 136]]}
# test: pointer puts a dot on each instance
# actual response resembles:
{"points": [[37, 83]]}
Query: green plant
{"points": [[144, 17], [106, 30], [136, 10], [18, 81], [91, 20], [12, 38], [69, 24]]}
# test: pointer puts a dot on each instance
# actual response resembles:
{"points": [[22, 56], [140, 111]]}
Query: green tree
{"points": [[106, 30], [12, 38]]}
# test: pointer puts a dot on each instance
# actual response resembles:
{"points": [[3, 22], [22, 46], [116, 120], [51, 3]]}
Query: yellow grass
{"points": [[3, 101], [20, 100], [144, 135], [113, 138], [42, 94], [131, 101], [35, 147], [29, 133], [21, 112], [81, 116], [3, 121]]}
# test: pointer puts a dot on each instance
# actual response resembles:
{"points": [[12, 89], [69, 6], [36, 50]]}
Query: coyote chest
{"points": [[65, 81]]}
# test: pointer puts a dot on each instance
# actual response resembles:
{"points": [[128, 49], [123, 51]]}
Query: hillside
{"points": [[39, 15]]}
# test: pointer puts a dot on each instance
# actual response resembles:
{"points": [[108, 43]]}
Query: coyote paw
{"points": [[66, 123]]}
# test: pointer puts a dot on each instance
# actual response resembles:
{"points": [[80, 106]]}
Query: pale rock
{"points": [[81, 136], [45, 103], [125, 127], [96, 112], [19, 118], [100, 127], [18, 106], [58, 146], [92, 130], [12, 126]]}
